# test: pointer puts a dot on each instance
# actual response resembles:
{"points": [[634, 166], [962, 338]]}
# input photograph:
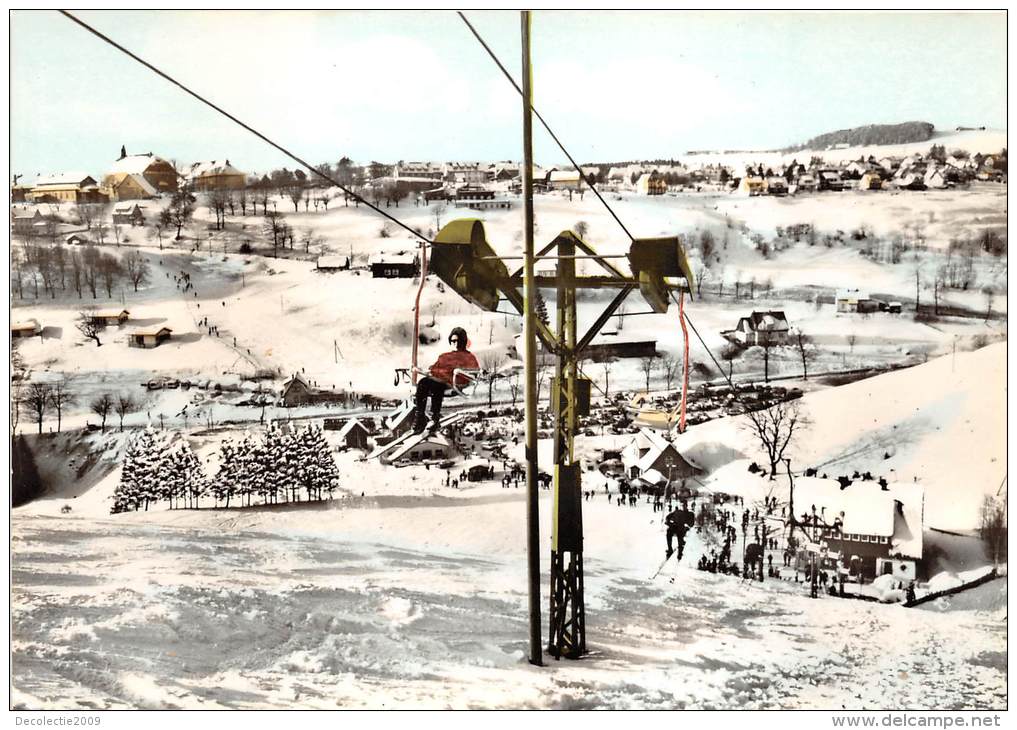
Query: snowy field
{"points": [[388, 614], [406, 593]]}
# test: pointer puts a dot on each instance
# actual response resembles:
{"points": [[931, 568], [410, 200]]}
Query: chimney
{"points": [[123, 152]]}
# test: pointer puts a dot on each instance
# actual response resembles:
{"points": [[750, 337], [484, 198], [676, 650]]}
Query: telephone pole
{"points": [[530, 347]]}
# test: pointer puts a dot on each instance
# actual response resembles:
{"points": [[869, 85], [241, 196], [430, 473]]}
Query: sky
{"points": [[416, 85]]}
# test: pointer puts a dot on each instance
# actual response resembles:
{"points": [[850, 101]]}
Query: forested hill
{"points": [[872, 134]]}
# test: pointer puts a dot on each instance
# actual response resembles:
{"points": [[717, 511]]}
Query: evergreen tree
{"points": [[141, 480], [228, 476]]}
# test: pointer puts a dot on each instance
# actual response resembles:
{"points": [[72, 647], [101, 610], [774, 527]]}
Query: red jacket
{"points": [[455, 360]]}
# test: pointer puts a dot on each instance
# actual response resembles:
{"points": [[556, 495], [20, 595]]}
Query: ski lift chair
{"points": [[472, 376]]}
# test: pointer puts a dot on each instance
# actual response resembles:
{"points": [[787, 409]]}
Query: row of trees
{"points": [[36, 268], [274, 467], [45, 399]]}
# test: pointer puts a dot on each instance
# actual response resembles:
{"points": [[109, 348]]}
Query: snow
{"points": [[403, 592]]}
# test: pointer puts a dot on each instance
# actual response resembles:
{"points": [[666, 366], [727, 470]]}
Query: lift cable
{"points": [[546, 126], [250, 129]]}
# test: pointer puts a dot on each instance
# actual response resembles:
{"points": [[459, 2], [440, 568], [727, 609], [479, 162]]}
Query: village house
{"points": [[135, 177], [23, 222], [752, 185], [298, 392], [503, 171], [353, 434], [651, 183], [393, 265], [465, 172], [332, 263], [149, 338], [871, 180], [613, 344], [418, 171], [855, 300], [214, 175], [128, 213], [28, 328], [829, 180], [431, 446], [109, 317], [564, 180], [763, 328], [76, 239], [655, 462], [874, 528], [65, 187]]}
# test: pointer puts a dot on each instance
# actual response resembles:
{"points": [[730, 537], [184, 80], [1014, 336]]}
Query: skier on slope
{"points": [[433, 386], [678, 523]]}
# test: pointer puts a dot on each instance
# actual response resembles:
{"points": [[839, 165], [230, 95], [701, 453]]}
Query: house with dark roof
{"points": [[298, 392], [654, 461], [763, 328]]}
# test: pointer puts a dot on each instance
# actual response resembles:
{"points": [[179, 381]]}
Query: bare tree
{"points": [[990, 297], [766, 346], [36, 397], [648, 365], [581, 228], [490, 362], [110, 272], [275, 226], [180, 210], [774, 427], [88, 326], [439, 213], [87, 213], [608, 364], [993, 528], [852, 340], [731, 352], [514, 385], [61, 396], [669, 364], [138, 268], [242, 200], [806, 350], [123, 406], [101, 406], [295, 193]]}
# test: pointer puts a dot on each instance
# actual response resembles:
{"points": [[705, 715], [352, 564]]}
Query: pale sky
{"points": [[391, 85]]}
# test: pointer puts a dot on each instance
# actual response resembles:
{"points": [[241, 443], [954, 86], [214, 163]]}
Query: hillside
{"points": [[873, 134], [941, 424]]}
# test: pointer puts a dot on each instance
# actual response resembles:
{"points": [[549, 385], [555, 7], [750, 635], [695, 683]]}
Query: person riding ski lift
{"points": [[440, 379], [678, 523]]}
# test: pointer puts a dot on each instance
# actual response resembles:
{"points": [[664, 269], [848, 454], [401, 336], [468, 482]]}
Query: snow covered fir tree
{"points": [[279, 466]]}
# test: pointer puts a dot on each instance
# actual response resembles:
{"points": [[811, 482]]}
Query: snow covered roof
{"points": [[772, 321], [210, 168], [153, 331], [29, 325], [644, 449], [563, 176], [134, 164], [142, 183], [349, 426], [331, 262], [390, 258], [127, 207], [109, 313], [867, 509], [429, 440], [65, 178]]}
